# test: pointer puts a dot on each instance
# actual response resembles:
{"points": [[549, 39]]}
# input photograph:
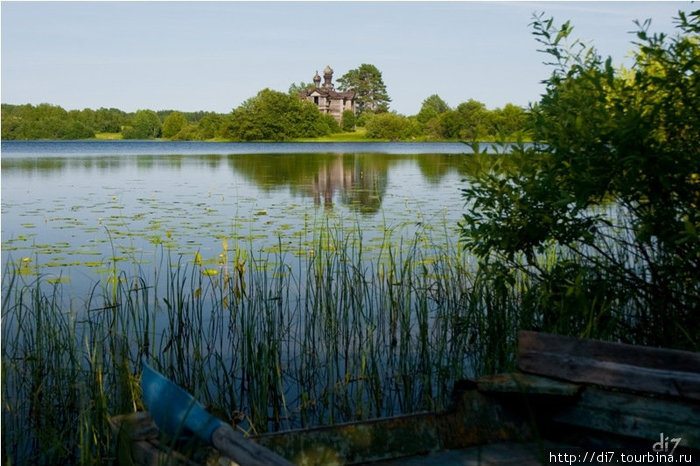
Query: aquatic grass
{"points": [[343, 324], [274, 340], [44, 383]]}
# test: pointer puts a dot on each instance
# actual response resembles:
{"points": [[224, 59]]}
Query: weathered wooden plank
{"points": [[233, 445], [525, 383], [634, 416], [610, 364], [635, 355], [610, 374]]}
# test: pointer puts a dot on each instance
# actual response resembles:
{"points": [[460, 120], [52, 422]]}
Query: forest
{"points": [[276, 116]]}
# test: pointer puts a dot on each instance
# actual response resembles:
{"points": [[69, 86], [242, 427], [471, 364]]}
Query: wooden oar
{"points": [[175, 412]]}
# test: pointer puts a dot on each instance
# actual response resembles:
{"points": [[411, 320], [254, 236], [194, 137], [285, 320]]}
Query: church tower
{"points": [[328, 77]]}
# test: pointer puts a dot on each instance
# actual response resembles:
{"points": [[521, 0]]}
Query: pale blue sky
{"points": [[212, 56]]}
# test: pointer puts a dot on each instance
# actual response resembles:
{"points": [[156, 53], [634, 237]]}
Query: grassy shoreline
{"points": [[359, 135], [356, 136]]}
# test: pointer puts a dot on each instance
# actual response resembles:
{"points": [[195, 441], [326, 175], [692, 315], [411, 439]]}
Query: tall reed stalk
{"points": [[268, 340]]}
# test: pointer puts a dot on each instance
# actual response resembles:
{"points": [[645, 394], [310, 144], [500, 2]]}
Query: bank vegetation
{"points": [[269, 116]]}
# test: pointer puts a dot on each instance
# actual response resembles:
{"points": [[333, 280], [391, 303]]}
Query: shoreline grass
{"points": [[359, 135]]}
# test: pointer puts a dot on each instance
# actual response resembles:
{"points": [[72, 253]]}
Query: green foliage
{"points": [[145, 124], [604, 217], [192, 126], [173, 124], [44, 121], [271, 116], [361, 120], [348, 120], [276, 116], [209, 126], [333, 125], [47, 121], [391, 126], [397, 328], [296, 89], [432, 107], [472, 121], [510, 122], [109, 120], [367, 82]]}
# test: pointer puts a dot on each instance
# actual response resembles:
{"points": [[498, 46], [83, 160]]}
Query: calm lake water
{"points": [[332, 269], [71, 209]]}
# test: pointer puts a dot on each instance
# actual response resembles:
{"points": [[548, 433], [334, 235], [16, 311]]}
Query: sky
{"points": [[212, 56]]}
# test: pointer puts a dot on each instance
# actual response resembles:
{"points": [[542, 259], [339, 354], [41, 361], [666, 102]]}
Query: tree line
{"points": [[275, 116]]}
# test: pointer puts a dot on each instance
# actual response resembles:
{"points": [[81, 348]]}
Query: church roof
{"points": [[329, 93]]}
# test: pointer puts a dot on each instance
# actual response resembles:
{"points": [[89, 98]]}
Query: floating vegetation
{"points": [[54, 281], [298, 313], [333, 335], [56, 263]]}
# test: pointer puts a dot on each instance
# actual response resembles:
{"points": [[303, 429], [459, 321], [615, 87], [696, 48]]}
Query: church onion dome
{"points": [[328, 70], [317, 78]]}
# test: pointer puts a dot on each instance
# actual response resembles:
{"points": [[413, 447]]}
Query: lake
{"points": [[72, 208], [293, 284]]}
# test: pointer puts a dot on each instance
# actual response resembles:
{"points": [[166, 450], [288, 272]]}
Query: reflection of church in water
{"points": [[358, 181], [360, 185]]}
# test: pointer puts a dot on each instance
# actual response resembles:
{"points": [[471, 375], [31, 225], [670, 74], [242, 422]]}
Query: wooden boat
{"points": [[572, 401]]}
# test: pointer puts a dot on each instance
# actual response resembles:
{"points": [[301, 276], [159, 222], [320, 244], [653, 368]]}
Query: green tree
{"points": [[448, 125], [431, 108], [276, 116], [348, 120], [610, 192], [209, 126], [74, 128], [11, 122], [145, 124], [392, 126], [510, 122], [45, 121], [367, 82], [173, 124], [189, 132], [296, 89], [109, 120], [474, 121]]}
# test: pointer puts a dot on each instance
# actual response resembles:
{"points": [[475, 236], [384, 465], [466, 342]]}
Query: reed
{"points": [[321, 333]]}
